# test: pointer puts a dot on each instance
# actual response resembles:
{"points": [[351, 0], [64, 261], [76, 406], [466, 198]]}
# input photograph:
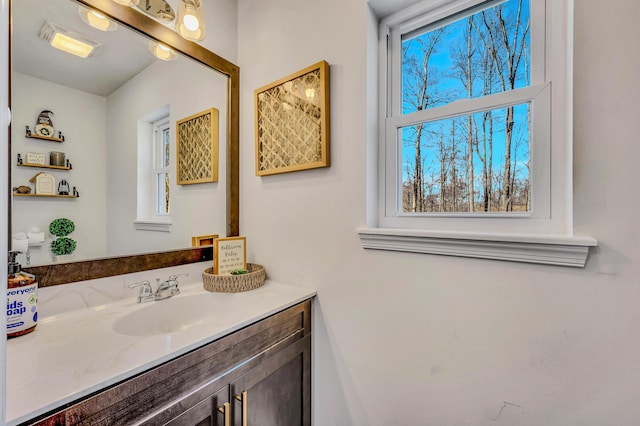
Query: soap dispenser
{"points": [[22, 299]]}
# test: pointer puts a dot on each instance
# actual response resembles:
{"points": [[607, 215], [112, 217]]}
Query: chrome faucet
{"points": [[146, 292], [167, 288], [164, 290]]}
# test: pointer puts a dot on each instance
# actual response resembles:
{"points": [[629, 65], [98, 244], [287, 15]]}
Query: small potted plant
{"points": [[63, 245]]}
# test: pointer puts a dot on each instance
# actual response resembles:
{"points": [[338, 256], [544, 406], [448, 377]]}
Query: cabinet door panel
{"points": [[210, 412], [277, 391]]}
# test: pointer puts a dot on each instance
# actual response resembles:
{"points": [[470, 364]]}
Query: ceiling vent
{"points": [[68, 41]]}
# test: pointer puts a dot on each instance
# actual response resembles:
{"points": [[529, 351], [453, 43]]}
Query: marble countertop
{"points": [[76, 352]]}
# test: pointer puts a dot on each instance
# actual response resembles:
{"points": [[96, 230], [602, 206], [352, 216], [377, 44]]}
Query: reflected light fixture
{"points": [[96, 20], [68, 41], [190, 20], [132, 3], [161, 51]]}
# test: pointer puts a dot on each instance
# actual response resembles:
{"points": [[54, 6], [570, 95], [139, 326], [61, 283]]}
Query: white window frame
{"points": [[544, 235], [149, 144]]}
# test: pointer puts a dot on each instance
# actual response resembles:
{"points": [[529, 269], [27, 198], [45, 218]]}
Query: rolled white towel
{"points": [[20, 242], [36, 237]]}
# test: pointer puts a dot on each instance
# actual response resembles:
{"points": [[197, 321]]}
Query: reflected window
{"points": [[162, 151]]}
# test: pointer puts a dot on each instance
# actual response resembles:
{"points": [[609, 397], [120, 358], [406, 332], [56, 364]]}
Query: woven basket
{"points": [[234, 283]]}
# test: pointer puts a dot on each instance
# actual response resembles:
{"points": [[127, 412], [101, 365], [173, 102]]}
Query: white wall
{"points": [[80, 117], [412, 339], [197, 209]]}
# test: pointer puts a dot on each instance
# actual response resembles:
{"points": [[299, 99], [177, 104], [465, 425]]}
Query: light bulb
{"points": [[190, 20]]}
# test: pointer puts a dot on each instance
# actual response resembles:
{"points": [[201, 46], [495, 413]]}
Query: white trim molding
{"points": [[540, 249], [149, 225]]}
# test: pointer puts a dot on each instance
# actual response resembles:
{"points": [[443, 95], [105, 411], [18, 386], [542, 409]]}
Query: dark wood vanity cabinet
{"points": [[259, 375]]}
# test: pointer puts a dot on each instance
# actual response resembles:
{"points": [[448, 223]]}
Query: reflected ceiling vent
{"points": [[69, 41]]}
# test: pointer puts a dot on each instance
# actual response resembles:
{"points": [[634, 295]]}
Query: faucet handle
{"points": [[146, 292], [175, 277]]}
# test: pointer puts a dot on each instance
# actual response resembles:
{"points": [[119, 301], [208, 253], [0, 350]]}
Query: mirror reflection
{"points": [[116, 110]]}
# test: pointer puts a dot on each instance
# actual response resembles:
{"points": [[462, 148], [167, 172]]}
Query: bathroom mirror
{"points": [[196, 81]]}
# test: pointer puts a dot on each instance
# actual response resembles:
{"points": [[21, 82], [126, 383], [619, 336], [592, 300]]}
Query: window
{"points": [[471, 161], [154, 171], [162, 155]]}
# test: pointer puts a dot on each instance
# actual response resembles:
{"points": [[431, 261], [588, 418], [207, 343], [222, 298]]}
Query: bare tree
{"points": [[507, 47], [420, 95]]}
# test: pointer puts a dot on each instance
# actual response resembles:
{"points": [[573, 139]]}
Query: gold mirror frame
{"points": [[63, 273]]}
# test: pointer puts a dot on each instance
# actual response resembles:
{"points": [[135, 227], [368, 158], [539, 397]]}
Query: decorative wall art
{"points": [[292, 122], [197, 148]]}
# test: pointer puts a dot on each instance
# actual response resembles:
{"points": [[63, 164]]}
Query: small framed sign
{"points": [[35, 158], [229, 254]]}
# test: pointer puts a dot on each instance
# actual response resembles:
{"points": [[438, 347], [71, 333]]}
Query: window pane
{"points": [[166, 144], [458, 164], [163, 193], [477, 55]]}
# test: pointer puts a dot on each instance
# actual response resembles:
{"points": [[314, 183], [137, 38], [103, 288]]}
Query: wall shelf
{"points": [[45, 195], [45, 138], [44, 166]]}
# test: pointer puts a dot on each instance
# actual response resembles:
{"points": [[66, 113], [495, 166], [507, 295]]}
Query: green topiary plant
{"points": [[61, 227], [63, 245]]}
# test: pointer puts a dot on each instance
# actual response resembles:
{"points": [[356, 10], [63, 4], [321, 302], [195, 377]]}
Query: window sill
{"points": [[150, 225], [543, 249]]}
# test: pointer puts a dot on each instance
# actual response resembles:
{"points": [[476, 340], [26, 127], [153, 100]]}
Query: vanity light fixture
{"points": [[68, 41], [161, 51], [190, 20], [96, 20]]}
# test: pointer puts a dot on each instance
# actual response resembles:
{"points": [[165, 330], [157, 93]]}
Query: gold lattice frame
{"points": [[197, 148], [292, 122]]}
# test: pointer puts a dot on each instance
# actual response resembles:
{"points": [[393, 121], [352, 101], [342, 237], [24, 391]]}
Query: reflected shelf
{"points": [[45, 195], [43, 166], [45, 138]]}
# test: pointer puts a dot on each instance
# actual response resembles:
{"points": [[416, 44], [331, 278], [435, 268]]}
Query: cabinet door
{"points": [[213, 411], [278, 391]]}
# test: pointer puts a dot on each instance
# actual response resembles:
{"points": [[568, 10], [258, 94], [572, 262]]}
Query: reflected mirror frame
{"points": [[63, 273]]}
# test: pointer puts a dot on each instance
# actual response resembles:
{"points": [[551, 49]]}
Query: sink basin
{"points": [[171, 315]]}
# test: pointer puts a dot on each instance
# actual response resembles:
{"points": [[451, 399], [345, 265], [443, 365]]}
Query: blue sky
{"points": [[441, 63]]}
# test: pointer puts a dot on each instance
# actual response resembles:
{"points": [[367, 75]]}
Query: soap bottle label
{"points": [[22, 312]]}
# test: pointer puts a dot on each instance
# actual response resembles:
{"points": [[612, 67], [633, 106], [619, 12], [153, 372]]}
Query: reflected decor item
{"points": [[292, 122], [56, 158], [197, 148], [45, 183], [203, 240], [35, 158], [22, 189], [63, 187], [44, 124], [60, 228]]}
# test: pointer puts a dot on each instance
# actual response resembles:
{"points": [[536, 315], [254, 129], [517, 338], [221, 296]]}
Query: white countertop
{"points": [[72, 354]]}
